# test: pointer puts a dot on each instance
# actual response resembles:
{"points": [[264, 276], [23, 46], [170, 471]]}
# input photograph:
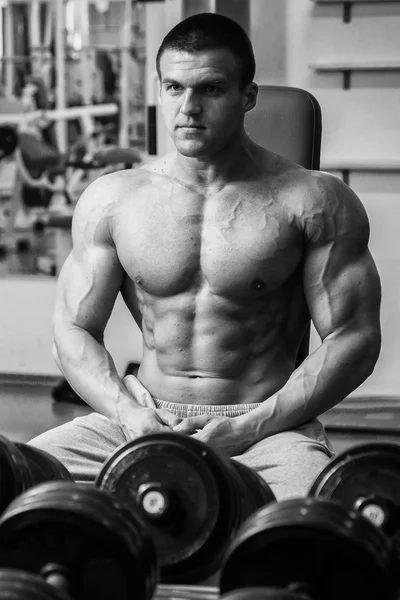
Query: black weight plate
{"points": [[127, 527], [194, 482], [43, 466], [20, 585], [14, 472], [112, 513], [98, 539], [314, 544], [76, 499], [369, 471], [56, 507], [256, 491]]}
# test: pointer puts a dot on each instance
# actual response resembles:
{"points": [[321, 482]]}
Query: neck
{"points": [[216, 169]]}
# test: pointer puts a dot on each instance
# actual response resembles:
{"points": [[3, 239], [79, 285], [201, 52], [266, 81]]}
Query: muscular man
{"points": [[221, 250]]}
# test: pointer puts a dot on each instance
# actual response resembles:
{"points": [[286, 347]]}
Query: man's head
{"points": [[206, 67], [210, 31]]}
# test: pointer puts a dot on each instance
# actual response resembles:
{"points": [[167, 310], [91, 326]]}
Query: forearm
{"points": [[90, 370], [335, 369]]}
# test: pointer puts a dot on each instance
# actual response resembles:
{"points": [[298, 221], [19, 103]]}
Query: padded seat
{"points": [[287, 121]]}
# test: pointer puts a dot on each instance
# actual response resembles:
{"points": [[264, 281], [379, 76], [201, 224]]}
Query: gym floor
{"points": [[28, 409]]}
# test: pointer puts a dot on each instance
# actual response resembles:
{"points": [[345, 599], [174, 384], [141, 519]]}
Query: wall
{"points": [[268, 34], [26, 331], [315, 32]]}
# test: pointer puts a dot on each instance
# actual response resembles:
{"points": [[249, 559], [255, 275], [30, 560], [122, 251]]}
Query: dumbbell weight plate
{"points": [[314, 546], [23, 466], [44, 466], [14, 472], [104, 546], [256, 492], [178, 486], [193, 500], [366, 478], [20, 585]]}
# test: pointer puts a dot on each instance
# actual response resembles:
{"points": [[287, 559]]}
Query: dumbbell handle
{"points": [[57, 576]]}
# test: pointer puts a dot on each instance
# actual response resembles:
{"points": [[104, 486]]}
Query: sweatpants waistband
{"points": [[216, 410]]}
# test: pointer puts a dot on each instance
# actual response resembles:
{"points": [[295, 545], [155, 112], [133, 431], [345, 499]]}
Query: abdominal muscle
{"points": [[207, 359]]}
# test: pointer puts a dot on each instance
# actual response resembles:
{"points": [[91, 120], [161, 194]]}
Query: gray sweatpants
{"points": [[288, 461]]}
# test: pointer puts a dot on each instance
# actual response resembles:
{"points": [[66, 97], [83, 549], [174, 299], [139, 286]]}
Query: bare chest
{"points": [[236, 244]]}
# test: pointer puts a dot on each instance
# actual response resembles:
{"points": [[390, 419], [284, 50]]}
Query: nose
{"points": [[191, 103]]}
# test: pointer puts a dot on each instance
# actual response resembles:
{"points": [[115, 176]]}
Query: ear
{"points": [[250, 96]]}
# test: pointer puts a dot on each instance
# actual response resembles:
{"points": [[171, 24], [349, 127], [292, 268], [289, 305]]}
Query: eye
{"points": [[174, 87], [211, 89]]}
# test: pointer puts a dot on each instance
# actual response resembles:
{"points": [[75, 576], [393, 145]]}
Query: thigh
{"points": [[82, 445], [288, 461]]}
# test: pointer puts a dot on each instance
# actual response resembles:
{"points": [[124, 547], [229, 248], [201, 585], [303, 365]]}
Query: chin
{"points": [[193, 150]]}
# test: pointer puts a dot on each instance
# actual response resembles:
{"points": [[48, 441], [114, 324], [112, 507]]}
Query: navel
{"points": [[258, 285]]}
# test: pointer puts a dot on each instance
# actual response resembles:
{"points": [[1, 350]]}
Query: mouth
{"points": [[190, 127]]}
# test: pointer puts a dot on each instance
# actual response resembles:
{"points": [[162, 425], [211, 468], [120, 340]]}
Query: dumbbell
{"points": [[23, 466], [313, 548], [192, 499], [366, 478], [83, 542], [20, 585]]}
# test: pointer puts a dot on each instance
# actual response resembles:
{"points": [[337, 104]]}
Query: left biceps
{"points": [[343, 290]]}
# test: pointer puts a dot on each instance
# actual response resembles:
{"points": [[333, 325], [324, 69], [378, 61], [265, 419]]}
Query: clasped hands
{"points": [[225, 434]]}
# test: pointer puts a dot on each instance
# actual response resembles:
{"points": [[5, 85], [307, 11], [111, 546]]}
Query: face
{"points": [[202, 103]]}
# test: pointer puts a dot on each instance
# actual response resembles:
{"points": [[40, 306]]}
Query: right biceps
{"points": [[87, 288]]}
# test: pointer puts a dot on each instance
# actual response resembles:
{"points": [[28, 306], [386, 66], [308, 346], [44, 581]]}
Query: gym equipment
{"points": [[312, 547], [192, 499], [20, 585], [366, 478], [114, 155], [86, 544], [8, 140], [63, 392], [22, 467]]}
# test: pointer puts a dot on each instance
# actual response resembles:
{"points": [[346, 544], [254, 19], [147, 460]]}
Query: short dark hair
{"points": [[208, 31]]}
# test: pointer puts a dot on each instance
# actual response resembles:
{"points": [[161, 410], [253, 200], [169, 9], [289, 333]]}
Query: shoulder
{"points": [[323, 207], [104, 196], [103, 200]]}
